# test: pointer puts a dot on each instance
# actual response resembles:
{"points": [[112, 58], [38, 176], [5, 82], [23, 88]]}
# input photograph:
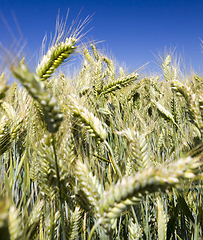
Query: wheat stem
{"points": [[59, 185]]}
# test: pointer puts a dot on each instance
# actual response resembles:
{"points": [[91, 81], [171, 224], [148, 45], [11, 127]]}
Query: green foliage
{"points": [[105, 155]]}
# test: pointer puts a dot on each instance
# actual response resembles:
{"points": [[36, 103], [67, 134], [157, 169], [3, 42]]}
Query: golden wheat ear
{"points": [[139, 148], [119, 83]]}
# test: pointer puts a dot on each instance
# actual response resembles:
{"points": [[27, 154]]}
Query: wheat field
{"points": [[105, 154]]}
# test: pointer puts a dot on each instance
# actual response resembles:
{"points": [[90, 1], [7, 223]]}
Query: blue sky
{"points": [[132, 31]]}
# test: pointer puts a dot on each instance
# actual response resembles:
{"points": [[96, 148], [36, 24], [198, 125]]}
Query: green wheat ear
{"points": [[3, 86], [134, 230], [119, 83], [14, 223], [89, 185], [4, 213], [92, 123], [37, 90], [130, 189], [139, 148], [75, 224], [61, 49], [55, 56], [161, 220], [167, 69]]}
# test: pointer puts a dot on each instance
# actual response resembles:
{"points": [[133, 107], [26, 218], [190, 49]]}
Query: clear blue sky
{"points": [[132, 31]]}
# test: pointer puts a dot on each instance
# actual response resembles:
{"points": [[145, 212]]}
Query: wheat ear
{"points": [[55, 56], [60, 50], [89, 57], [119, 83], [75, 224], [192, 102], [36, 88], [92, 123], [89, 185], [167, 70], [139, 147], [14, 223], [95, 52], [111, 68], [161, 220], [3, 86], [36, 212], [134, 230], [125, 193]]}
